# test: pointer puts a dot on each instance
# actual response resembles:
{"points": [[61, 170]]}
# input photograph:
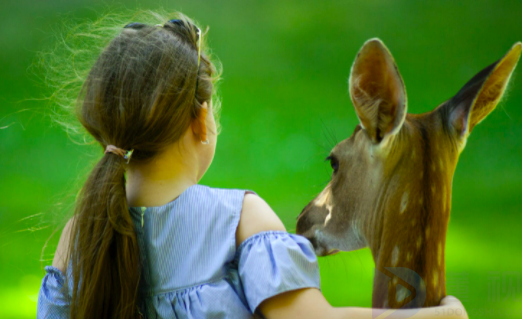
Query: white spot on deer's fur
{"points": [[428, 230], [395, 255], [419, 242], [401, 293], [404, 201], [408, 256], [322, 199], [327, 219]]}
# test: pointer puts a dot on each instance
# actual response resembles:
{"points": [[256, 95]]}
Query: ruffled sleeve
{"points": [[273, 262], [53, 300]]}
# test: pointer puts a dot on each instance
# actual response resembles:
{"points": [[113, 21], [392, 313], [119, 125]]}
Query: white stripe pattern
{"points": [[191, 268]]}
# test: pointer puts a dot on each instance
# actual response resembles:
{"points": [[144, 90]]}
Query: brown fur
{"points": [[392, 189]]}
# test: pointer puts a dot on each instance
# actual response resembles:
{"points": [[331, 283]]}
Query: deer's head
{"points": [[390, 188]]}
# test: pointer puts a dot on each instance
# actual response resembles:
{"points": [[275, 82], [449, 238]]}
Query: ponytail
{"points": [[104, 249], [143, 91]]}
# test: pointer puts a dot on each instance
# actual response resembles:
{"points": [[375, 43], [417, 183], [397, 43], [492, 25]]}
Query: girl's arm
{"points": [[310, 303]]}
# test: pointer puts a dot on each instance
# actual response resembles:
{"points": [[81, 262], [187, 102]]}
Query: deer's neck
{"points": [[409, 239], [410, 261]]}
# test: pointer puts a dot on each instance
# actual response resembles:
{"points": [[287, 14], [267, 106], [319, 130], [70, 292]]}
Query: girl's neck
{"points": [[161, 180]]}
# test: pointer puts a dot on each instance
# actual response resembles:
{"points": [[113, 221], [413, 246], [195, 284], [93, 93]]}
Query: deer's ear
{"points": [[377, 90], [482, 93]]}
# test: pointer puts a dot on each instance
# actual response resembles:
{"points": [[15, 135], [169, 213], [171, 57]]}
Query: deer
{"points": [[390, 189]]}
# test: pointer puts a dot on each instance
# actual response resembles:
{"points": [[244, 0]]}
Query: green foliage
{"points": [[285, 104]]}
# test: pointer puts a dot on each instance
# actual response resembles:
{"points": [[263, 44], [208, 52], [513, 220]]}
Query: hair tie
{"points": [[120, 152]]}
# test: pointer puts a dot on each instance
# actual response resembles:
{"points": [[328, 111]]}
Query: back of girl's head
{"points": [[146, 87], [142, 93]]}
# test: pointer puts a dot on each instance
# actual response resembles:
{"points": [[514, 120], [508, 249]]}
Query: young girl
{"points": [[146, 241]]}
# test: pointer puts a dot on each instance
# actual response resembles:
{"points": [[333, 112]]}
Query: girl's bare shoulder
{"points": [[256, 216], [60, 256]]}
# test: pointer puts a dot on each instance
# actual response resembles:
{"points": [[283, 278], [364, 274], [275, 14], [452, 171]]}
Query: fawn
{"points": [[390, 188]]}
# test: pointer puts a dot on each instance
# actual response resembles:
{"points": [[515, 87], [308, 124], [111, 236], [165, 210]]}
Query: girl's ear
{"points": [[199, 125]]}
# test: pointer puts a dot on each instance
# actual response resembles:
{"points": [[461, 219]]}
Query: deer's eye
{"points": [[333, 162]]}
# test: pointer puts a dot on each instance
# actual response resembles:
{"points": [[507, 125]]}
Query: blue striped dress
{"points": [[191, 267]]}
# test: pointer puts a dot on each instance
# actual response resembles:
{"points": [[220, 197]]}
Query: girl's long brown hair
{"points": [[140, 94]]}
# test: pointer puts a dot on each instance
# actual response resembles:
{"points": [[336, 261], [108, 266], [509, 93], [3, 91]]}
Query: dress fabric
{"points": [[191, 267]]}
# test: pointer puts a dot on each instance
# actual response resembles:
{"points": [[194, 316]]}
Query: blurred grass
{"points": [[285, 96]]}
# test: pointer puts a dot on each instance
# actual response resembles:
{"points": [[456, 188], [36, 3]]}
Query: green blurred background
{"points": [[285, 104]]}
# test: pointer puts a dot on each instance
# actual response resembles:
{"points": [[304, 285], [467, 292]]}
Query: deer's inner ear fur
{"points": [[481, 94], [377, 91]]}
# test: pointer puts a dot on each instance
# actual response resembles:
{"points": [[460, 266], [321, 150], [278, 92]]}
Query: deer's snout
{"points": [[307, 219], [310, 219]]}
